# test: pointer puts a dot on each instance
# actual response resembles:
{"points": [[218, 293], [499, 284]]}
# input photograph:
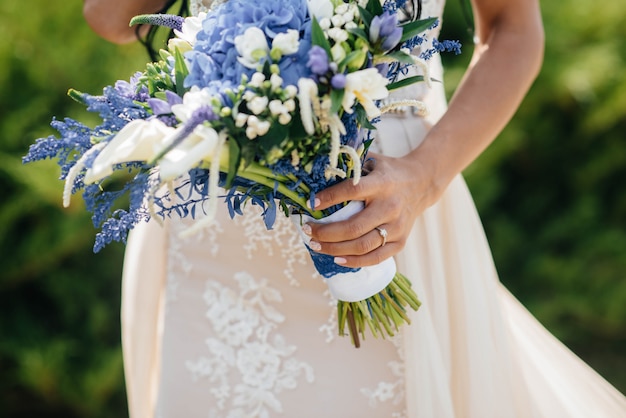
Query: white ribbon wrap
{"points": [[351, 286]]}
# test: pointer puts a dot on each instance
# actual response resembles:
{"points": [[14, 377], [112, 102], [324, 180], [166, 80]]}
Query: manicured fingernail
{"points": [[315, 246], [306, 228], [316, 203], [340, 260]]}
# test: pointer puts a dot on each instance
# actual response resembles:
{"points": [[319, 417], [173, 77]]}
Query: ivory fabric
{"points": [[235, 322]]}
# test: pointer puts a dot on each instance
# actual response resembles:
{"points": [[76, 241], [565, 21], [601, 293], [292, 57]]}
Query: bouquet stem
{"points": [[382, 313]]}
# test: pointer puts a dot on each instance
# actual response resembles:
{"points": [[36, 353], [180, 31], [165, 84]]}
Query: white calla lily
{"points": [[200, 146], [366, 86], [139, 140]]}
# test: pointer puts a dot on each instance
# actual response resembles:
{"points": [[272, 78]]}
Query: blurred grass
{"points": [[550, 191]]}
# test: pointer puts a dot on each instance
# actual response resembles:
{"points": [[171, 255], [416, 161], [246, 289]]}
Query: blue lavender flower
{"points": [[441, 46]]}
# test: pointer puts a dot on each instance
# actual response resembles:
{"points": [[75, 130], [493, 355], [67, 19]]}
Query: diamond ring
{"points": [[383, 233]]}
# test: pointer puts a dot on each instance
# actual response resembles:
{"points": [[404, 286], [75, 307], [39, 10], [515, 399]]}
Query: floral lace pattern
{"points": [[247, 349], [390, 391]]}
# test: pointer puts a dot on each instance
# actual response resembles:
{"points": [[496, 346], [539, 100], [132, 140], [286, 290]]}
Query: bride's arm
{"points": [[110, 18], [506, 60]]}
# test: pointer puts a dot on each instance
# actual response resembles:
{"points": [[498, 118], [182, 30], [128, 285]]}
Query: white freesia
{"points": [[252, 47], [320, 9], [200, 146], [191, 26], [366, 86], [139, 140], [192, 101], [288, 42]]}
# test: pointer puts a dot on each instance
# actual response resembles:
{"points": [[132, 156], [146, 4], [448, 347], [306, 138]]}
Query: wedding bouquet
{"points": [[255, 102]]}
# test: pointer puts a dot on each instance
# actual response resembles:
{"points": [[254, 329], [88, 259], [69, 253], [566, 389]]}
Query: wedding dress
{"points": [[235, 322]]}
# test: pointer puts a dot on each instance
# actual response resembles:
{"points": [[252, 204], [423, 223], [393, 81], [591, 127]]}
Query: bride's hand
{"points": [[395, 192]]}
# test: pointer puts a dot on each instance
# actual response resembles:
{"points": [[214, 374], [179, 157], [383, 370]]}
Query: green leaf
{"points": [[366, 17], [400, 56], [354, 60], [181, 71], [318, 38], [375, 7], [412, 29], [234, 159], [405, 82], [273, 138], [360, 33], [362, 118], [336, 98]]}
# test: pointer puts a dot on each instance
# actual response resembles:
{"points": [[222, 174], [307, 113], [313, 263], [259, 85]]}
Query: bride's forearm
{"points": [[110, 18], [507, 59]]}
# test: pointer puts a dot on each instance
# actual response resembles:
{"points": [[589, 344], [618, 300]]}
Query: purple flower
{"points": [[338, 81], [318, 60], [385, 32]]}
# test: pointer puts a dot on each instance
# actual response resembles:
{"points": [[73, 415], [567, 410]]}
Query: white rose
{"points": [[139, 140], [287, 43], [320, 9], [252, 47], [198, 147], [366, 86]]}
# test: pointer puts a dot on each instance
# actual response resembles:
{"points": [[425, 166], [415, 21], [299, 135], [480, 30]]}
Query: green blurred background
{"points": [[550, 190]]}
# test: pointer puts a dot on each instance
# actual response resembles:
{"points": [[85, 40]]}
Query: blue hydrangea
{"points": [[214, 56]]}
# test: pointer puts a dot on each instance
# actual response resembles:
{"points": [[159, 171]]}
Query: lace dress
{"points": [[236, 323]]}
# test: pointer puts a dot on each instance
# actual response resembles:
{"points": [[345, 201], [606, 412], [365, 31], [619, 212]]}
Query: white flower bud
{"points": [[241, 119], [276, 81], [338, 52], [338, 35], [325, 23], [262, 128], [276, 107], [257, 79], [291, 91], [290, 105], [258, 105], [284, 118], [337, 21]]}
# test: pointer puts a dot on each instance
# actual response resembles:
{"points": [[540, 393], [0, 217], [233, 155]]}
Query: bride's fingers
{"points": [[387, 211], [370, 259], [365, 244]]}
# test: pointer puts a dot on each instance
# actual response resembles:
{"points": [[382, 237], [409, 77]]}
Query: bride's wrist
{"points": [[433, 169]]}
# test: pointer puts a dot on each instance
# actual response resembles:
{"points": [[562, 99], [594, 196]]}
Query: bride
{"points": [[236, 323]]}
